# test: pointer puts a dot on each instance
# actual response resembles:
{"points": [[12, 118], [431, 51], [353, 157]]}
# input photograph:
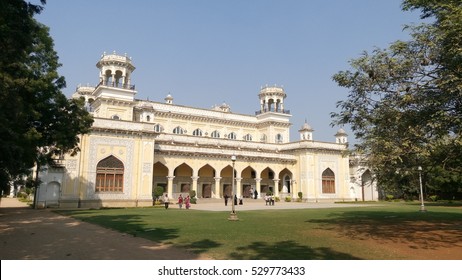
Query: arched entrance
{"points": [[53, 193], [160, 173], [367, 189], [206, 181], [182, 181], [226, 174]]}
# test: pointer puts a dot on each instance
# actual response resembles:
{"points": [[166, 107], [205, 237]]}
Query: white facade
{"points": [[136, 146]]}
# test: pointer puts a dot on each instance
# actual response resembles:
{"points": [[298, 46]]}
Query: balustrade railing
{"points": [[116, 85]]}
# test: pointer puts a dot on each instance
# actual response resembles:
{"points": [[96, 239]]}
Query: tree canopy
{"points": [[405, 102], [37, 121]]}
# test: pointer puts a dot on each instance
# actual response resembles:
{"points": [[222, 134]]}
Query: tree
{"points": [[405, 101], [37, 121]]}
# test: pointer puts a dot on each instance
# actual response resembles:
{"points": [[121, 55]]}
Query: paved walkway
{"points": [[26, 233]]}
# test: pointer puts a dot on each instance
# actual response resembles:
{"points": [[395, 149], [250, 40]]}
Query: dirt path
{"points": [[43, 235]]}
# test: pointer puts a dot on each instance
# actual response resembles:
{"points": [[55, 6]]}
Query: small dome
{"points": [[341, 131], [306, 126]]}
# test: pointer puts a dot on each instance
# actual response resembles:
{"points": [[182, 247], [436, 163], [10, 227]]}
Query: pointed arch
{"points": [[232, 136], [197, 132], [159, 175], [183, 174], [109, 175], [206, 179], [178, 130], [328, 181], [286, 180]]}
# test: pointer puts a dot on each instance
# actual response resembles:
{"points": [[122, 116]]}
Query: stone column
{"points": [[238, 187], [216, 193], [276, 187], [258, 186], [194, 184], [170, 186]]}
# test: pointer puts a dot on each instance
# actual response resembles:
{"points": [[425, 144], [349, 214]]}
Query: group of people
{"points": [[269, 199], [186, 201], [241, 200]]}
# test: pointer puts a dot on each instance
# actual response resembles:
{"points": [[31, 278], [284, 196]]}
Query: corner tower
{"points": [[273, 118], [115, 94]]}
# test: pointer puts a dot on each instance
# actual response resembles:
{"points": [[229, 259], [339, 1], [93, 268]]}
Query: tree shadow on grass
{"points": [[130, 224], [201, 246], [286, 250], [430, 230]]}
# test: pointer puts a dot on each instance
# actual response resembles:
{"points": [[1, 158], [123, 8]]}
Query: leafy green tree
{"points": [[37, 121], [405, 101]]}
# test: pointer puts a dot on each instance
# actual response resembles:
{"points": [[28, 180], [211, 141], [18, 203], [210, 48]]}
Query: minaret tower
{"points": [[273, 118], [272, 99], [306, 132], [341, 137], [114, 96], [115, 77]]}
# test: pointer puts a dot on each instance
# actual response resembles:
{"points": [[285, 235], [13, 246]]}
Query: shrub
{"points": [[288, 199], [433, 197], [158, 192], [389, 197], [300, 195]]}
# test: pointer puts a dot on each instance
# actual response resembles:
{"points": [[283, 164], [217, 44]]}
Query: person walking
{"points": [[226, 199], [187, 202], [166, 201], [180, 201]]}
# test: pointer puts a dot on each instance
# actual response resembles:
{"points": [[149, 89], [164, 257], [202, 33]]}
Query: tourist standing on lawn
{"points": [[180, 201], [166, 201]]}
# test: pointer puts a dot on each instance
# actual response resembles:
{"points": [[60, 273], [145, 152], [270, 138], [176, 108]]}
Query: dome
{"points": [[306, 126], [340, 132]]}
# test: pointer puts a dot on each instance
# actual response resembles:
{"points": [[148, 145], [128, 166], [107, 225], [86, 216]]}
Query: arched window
{"points": [[328, 181], [197, 132], [115, 117], [178, 130], [232, 136], [148, 118], [110, 175], [248, 137], [158, 128], [263, 138], [215, 134], [279, 138]]}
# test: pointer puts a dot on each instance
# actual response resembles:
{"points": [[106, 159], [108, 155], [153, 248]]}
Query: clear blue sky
{"points": [[206, 52]]}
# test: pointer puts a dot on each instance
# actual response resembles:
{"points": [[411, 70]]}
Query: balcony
{"points": [[116, 85], [273, 111]]}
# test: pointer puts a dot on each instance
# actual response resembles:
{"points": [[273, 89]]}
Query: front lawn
{"points": [[385, 231]]}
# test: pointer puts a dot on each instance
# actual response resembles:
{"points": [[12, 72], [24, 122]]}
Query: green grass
{"points": [[317, 234]]}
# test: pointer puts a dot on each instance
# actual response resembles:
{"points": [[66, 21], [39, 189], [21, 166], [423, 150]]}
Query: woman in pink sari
{"points": [[187, 202]]}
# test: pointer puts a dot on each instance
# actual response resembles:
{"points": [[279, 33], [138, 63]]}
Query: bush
{"points": [[389, 197], [288, 199], [158, 192], [433, 197], [300, 195]]}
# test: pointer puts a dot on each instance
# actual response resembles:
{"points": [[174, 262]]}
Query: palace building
{"points": [[138, 145]]}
